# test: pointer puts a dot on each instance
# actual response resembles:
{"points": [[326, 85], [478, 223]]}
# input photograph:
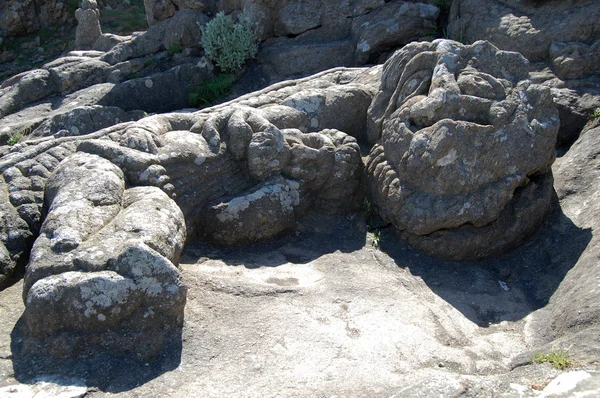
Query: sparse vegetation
{"points": [[14, 139], [443, 5], [124, 20], [175, 48], [596, 113], [376, 239], [210, 91], [19, 136], [559, 359], [229, 44]]}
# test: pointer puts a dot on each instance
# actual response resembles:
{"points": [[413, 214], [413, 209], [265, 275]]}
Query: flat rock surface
{"points": [[321, 312]]}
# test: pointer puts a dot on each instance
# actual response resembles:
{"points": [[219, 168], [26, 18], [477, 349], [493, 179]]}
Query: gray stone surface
{"points": [[322, 312], [561, 36], [102, 275], [18, 17], [538, 30], [100, 267], [391, 26], [88, 25], [316, 312], [449, 113]]}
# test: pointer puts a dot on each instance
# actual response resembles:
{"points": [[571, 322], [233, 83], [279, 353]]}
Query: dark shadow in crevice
{"points": [[315, 236], [110, 371], [503, 288]]}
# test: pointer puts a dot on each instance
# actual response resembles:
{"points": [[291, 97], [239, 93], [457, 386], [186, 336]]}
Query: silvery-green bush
{"points": [[229, 44]]}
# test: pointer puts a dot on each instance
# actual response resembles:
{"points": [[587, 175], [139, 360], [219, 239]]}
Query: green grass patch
{"points": [[175, 49], [14, 139], [443, 5], [73, 4], [559, 359], [125, 19], [211, 91]]}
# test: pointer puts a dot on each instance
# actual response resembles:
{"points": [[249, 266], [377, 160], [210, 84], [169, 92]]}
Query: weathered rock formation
{"points": [[121, 201], [562, 37], [304, 37], [88, 25], [465, 142], [19, 17]]}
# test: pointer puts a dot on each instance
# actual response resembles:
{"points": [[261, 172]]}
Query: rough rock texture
{"points": [[345, 33], [99, 268], [19, 17], [464, 147], [82, 91], [102, 272], [303, 37], [322, 312], [563, 36], [318, 312], [88, 25], [159, 10], [574, 309], [563, 32]]}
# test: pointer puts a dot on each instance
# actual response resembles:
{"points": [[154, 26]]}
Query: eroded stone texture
{"points": [[104, 263], [562, 38], [88, 27], [120, 203], [464, 141]]}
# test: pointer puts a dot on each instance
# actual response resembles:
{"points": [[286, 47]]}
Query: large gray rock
{"points": [[462, 136], [297, 171], [562, 36], [574, 309], [391, 26], [102, 272], [538, 30], [103, 263]]}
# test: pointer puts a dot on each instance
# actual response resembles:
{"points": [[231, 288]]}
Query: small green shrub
{"points": [[17, 137], [376, 240], [175, 49], [229, 44], [596, 113], [14, 139], [210, 91], [559, 359]]}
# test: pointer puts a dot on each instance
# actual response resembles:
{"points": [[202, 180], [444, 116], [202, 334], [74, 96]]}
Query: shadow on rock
{"points": [[315, 236], [505, 288], [108, 370]]}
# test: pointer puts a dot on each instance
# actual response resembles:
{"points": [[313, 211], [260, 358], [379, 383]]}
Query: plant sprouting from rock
{"points": [[210, 92], [559, 359], [228, 43]]}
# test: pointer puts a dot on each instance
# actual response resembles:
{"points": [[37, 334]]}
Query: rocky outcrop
{"points": [[99, 267], [541, 31], [461, 166], [573, 310], [121, 201], [305, 37], [88, 25], [18, 17], [105, 86], [561, 36]]}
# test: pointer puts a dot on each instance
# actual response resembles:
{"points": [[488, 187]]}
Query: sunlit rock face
{"points": [[463, 148]]}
